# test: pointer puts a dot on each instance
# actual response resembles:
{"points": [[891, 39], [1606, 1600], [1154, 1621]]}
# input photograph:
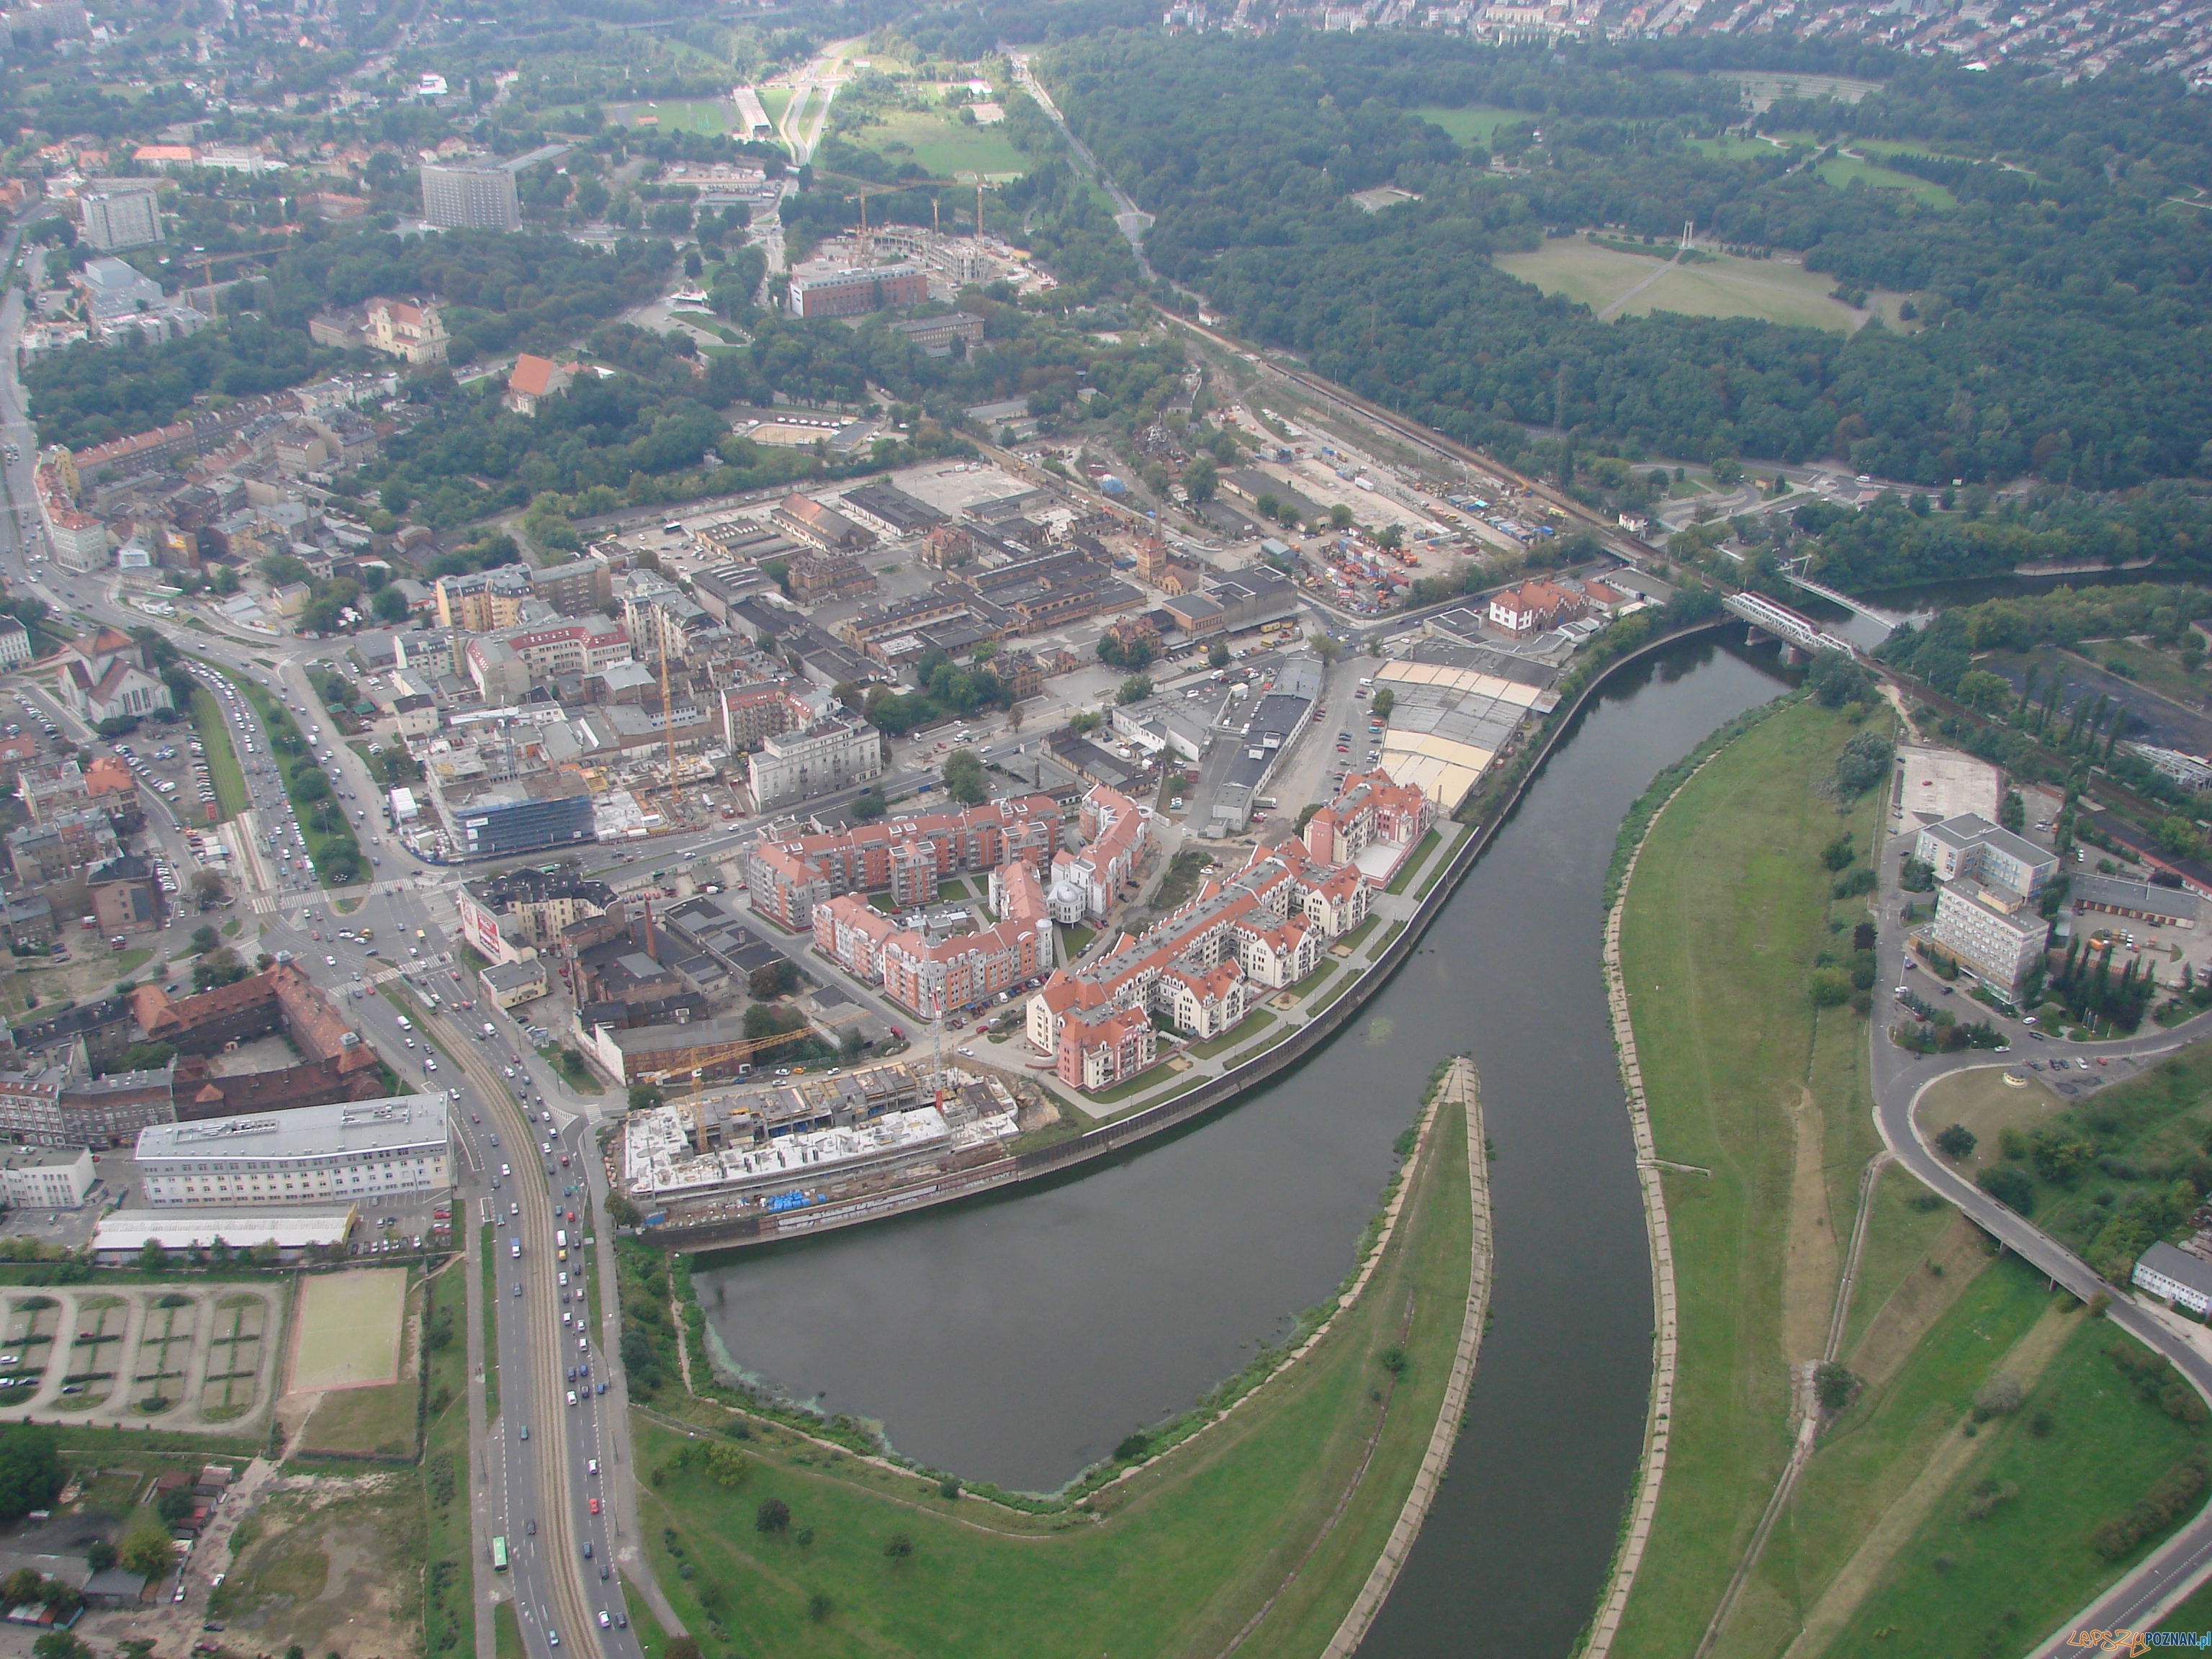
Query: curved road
{"points": [[1899, 1078]]}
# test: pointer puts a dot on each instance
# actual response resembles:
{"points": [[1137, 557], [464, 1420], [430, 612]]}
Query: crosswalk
{"points": [[264, 904]]}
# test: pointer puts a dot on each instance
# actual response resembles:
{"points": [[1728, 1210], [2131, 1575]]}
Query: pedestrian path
{"points": [[327, 897]]}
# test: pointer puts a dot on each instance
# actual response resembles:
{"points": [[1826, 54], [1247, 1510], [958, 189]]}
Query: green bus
{"points": [[499, 1555]]}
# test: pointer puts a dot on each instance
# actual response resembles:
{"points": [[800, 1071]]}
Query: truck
{"points": [[405, 1024], [487, 1025]]}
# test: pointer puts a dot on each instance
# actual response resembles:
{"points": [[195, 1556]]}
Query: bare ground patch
{"points": [[335, 1568]]}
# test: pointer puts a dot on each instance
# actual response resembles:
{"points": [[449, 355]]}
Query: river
{"points": [[1016, 1342]]}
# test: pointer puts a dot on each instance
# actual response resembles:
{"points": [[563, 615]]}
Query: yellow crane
{"points": [[864, 188]]}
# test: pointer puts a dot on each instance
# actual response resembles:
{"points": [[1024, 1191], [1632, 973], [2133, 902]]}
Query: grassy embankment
{"points": [[1915, 1530], [231, 798], [1253, 1507], [1728, 913]]}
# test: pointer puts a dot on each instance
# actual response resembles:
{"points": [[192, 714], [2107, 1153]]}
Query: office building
{"points": [[829, 290], [120, 218], [367, 1151], [1969, 847], [1994, 933], [470, 196]]}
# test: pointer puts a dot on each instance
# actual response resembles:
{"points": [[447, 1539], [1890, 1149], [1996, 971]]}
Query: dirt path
{"points": [[2029, 1359], [1809, 1261]]}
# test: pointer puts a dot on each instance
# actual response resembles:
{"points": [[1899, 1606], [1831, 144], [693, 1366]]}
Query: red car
{"points": [[595, 1507]]}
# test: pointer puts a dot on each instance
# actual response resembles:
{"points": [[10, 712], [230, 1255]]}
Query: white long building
{"points": [[366, 1150]]}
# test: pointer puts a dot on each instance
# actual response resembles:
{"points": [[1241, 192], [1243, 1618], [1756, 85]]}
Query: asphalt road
{"points": [[1899, 1077]]}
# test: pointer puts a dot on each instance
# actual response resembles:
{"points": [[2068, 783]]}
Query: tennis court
{"points": [[349, 1333]]}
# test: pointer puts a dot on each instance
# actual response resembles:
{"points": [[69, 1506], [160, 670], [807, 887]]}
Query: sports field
{"points": [[349, 1329], [944, 148], [707, 115], [1630, 285]]}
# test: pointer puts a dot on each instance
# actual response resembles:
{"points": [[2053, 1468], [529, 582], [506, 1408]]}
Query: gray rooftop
{"points": [[2180, 1266], [1972, 829], [2127, 895], [348, 1127]]}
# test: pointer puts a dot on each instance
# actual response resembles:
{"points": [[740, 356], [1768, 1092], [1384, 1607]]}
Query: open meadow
{"points": [[942, 147], [1618, 284]]}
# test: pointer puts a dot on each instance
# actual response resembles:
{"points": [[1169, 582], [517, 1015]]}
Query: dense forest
{"points": [[2063, 300]]}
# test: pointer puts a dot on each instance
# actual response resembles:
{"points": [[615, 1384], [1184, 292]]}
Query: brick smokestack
{"points": [[649, 950]]}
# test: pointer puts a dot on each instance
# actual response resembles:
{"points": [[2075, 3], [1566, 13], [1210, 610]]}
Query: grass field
{"points": [[336, 1569], [1473, 124], [707, 115], [376, 1421], [1725, 286], [230, 795], [1179, 1557], [946, 147], [1954, 1585], [2139, 1135], [775, 101], [1844, 171], [1728, 908], [349, 1329]]}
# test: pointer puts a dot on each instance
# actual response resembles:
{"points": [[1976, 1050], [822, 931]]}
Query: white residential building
{"points": [[1995, 934], [47, 1178]]}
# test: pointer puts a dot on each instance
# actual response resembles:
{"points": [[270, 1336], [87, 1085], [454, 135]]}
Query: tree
{"points": [[964, 780], [1324, 645], [174, 1505], [1391, 536], [869, 805], [644, 1096], [1832, 1384], [681, 1647], [1135, 688], [152, 1258], [147, 1552], [20, 1587], [772, 980], [1218, 655], [898, 1547], [61, 1645], [1829, 988], [2008, 1184], [204, 938], [1385, 700], [1956, 1142], [1340, 517], [99, 1555], [621, 1211], [773, 1516]]}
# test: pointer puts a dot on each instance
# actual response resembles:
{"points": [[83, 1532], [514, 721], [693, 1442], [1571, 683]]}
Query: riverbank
{"points": [[1758, 1124], [1254, 1522], [1489, 809]]}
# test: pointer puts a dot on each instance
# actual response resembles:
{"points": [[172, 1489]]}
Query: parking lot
{"points": [[192, 1356]]}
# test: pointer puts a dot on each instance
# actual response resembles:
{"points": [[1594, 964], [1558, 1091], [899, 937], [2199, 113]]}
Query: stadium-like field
{"points": [[349, 1327]]}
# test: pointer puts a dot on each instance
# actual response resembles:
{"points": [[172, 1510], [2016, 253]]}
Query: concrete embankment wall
{"points": [[1109, 1139]]}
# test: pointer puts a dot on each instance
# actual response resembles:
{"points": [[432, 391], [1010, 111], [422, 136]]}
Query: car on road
{"points": [[603, 1620], [592, 1466], [595, 1507]]}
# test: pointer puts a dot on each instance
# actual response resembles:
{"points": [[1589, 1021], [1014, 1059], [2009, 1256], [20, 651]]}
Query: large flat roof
{"points": [[1972, 829], [333, 1131], [129, 1230]]}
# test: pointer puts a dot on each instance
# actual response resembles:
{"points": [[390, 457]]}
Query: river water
{"points": [[1017, 1340]]}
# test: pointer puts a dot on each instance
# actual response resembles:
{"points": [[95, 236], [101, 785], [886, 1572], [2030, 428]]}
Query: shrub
{"points": [[2175, 1494], [898, 1547], [1832, 1384], [2000, 1396], [819, 1607], [1988, 1497], [773, 1516]]}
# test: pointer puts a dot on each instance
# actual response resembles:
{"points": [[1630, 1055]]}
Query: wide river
{"points": [[1017, 1341]]}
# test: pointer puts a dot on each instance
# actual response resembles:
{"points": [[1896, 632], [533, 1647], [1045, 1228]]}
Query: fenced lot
{"points": [[349, 1329]]}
